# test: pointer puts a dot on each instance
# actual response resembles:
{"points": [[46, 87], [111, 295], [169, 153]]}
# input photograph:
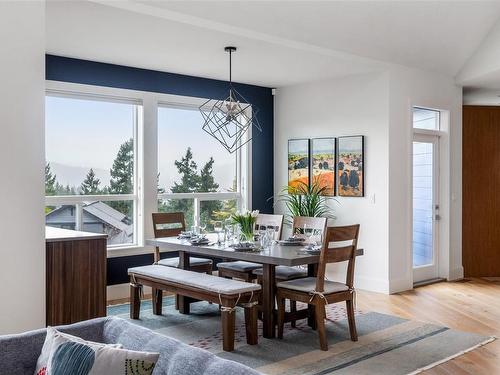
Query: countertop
{"points": [[57, 234]]}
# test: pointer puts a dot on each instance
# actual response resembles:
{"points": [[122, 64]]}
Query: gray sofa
{"points": [[19, 353]]}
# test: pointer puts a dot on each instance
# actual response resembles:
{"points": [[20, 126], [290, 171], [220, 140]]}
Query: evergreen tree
{"points": [[207, 184], [122, 173], [91, 184], [50, 181], [188, 170]]}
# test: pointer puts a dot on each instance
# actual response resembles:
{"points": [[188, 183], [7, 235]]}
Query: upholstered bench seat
{"points": [[188, 284], [239, 265], [195, 279], [174, 262], [283, 273], [308, 284]]}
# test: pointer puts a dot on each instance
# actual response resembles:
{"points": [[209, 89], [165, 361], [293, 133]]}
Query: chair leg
{"points": [[251, 325], [320, 326], [293, 308], [135, 301], [351, 320], [281, 315], [176, 296], [228, 320], [157, 300]]}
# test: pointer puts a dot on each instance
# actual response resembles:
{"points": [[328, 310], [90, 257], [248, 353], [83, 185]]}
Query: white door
{"points": [[425, 207]]}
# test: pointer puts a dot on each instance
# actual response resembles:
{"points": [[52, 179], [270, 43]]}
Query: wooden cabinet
{"points": [[75, 276]]}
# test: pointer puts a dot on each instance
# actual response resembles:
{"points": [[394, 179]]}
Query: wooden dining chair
{"points": [[286, 273], [169, 224], [319, 292], [244, 270], [317, 224]]}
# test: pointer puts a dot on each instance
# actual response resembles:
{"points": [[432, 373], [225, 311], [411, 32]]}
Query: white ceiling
{"points": [[279, 43]]}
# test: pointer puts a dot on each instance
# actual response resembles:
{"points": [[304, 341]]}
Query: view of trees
{"points": [[191, 180], [121, 181]]}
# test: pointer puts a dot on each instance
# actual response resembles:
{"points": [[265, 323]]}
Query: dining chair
{"points": [[318, 225], [320, 292], [168, 224], [285, 273], [244, 270]]}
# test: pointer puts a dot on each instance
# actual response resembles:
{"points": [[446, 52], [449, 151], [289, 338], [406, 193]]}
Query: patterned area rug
{"points": [[387, 344]]}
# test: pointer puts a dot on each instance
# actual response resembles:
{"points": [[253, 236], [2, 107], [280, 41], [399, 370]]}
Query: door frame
{"points": [[432, 271]]}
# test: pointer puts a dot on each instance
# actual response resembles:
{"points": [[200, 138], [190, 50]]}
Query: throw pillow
{"points": [[87, 358], [41, 363]]}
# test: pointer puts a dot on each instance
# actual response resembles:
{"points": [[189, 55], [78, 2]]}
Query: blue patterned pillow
{"points": [[87, 358]]}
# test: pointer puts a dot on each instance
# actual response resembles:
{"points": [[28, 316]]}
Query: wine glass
{"points": [[218, 230], [308, 233], [203, 227]]}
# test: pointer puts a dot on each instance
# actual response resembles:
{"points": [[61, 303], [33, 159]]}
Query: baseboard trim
{"points": [[122, 291], [456, 274]]}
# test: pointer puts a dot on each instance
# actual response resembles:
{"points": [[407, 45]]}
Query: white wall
{"points": [[22, 249], [379, 106], [356, 105], [408, 88]]}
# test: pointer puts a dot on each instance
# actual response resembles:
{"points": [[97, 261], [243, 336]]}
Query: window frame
{"points": [[198, 198], [145, 194], [79, 200]]}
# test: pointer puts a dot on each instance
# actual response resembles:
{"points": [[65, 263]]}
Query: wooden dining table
{"points": [[276, 255]]}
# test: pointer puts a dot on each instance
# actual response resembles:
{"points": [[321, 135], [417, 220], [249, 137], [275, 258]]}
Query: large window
{"points": [[90, 179], [196, 175]]}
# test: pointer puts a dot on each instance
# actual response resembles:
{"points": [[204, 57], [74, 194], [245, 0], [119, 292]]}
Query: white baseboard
{"points": [[400, 285], [456, 274], [371, 284], [121, 291]]}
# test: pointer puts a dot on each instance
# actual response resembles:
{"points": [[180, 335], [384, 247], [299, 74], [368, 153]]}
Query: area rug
{"points": [[387, 344]]}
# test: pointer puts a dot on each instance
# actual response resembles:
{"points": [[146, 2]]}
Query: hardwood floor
{"points": [[471, 305]]}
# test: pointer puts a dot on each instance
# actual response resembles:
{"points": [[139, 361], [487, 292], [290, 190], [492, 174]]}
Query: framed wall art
{"points": [[351, 166], [298, 162], [323, 164]]}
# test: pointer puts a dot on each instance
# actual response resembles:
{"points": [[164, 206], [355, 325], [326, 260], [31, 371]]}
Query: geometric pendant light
{"points": [[230, 120]]}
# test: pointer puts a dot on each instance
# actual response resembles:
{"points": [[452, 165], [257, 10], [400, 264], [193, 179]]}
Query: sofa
{"points": [[19, 353]]}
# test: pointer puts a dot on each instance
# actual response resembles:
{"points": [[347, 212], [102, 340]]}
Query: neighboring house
{"points": [[98, 217]]}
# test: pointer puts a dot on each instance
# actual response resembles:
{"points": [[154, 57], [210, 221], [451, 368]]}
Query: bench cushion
{"points": [[308, 284], [239, 265], [195, 280], [285, 273], [174, 262]]}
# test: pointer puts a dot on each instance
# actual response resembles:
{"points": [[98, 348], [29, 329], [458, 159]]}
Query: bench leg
{"points": [[228, 320], [135, 301], [251, 324], [157, 300]]}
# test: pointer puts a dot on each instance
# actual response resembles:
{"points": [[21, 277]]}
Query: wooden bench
{"points": [[225, 292]]}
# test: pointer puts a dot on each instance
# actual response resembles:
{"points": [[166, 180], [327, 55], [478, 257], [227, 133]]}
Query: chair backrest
{"points": [[269, 220], [339, 245], [167, 224], [318, 224]]}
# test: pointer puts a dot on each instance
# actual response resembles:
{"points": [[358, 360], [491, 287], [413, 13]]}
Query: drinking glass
{"points": [[263, 236], [203, 226], [308, 233], [218, 230]]}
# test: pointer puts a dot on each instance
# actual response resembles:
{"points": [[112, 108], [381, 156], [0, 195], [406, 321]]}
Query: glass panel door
{"points": [[425, 207]]}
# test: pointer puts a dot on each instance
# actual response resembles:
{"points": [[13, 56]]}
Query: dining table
{"points": [[275, 255]]}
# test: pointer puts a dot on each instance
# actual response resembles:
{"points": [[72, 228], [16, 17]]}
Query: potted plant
{"points": [[246, 221], [304, 199]]}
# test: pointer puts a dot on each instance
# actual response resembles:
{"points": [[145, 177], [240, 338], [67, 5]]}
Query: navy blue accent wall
{"points": [[100, 74]]}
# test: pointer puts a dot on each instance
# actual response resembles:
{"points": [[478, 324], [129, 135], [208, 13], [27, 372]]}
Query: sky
{"points": [[82, 134]]}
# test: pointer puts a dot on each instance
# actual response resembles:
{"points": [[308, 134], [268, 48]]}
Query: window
{"points": [[90, 178], [196, 175], [424, 118]]}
